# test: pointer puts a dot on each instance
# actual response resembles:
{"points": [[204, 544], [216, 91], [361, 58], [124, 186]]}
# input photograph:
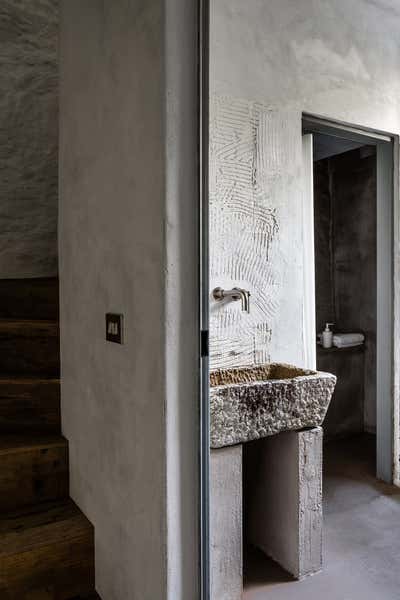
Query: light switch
{"points": [[114, 328]]}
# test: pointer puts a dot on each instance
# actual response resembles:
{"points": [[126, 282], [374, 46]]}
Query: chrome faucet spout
{"points": [[234, 294], [245, 298]]}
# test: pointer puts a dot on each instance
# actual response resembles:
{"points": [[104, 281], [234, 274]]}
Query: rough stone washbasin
{"points": [[249, 403]]}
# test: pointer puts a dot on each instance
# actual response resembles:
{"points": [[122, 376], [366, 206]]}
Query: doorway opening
{"points": [[350, 205], [349, 257], [345, 234]]}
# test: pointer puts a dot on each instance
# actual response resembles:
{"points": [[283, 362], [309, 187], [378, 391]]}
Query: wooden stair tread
{"points": [[29, 298], [33, 469], [29, 348], [20, 443], [41, 525], [30, 404], [94, 596], [17, 380], [46, 553], [27, 327], [46, 542]]}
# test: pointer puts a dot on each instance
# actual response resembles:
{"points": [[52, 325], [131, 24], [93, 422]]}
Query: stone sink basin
{"points": [[250, 403]]}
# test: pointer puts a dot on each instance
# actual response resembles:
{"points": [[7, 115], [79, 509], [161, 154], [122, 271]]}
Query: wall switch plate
{"points": [[114, 328]]}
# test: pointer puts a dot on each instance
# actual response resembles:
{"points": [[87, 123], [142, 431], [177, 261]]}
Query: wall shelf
{"points": [[335, 350]]}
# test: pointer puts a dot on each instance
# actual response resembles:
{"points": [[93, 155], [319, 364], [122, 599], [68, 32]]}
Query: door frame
{"points": [[203, 274], [388, 280]]}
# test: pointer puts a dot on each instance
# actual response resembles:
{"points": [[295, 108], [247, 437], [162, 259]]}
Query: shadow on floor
{"points": [[260, 570]]}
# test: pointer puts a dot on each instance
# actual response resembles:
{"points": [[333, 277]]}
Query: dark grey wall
{"points": [[323, 224], [345, 234], [28, 137]]}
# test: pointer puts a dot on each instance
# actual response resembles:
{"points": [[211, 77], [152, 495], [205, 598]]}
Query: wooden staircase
{"points": [[46, 543]]}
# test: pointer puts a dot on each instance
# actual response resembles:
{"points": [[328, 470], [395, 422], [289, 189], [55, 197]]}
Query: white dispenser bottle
{"points": [[327, 336]]}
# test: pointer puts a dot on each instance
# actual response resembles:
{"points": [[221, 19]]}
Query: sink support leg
{"points": [[285, 499], [226, 523]]}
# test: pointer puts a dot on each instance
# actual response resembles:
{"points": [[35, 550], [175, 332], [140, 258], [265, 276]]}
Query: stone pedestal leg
{"points": [[226, 523], [285, 500]]}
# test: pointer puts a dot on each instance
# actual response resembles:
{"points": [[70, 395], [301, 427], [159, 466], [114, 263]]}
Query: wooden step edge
{"points": [[93, 596], [71, 531], [42, 525], [24, 380], [11, 443], [33, 322], [28, 327]]}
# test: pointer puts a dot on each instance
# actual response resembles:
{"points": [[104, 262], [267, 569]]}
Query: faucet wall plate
{"points": [[234, 294], [218, 294]]}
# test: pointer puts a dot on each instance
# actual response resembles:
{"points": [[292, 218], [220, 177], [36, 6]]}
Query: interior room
{"points": [[356, 504], [199, 300], [345, 241], [298, 498]]}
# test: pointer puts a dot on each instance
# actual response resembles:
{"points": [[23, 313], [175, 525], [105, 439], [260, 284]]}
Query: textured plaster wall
{"points": [[28, 138], [247, 247], [128, 243], [271, 61]]}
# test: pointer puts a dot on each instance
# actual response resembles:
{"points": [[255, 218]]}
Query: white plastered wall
{"points": [[128, 243], [270, 63]]}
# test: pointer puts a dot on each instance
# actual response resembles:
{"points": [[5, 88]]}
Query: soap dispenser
{"points": [[327, 336]]}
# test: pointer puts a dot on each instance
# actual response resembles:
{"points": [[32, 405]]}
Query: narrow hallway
{"points": [[361, 535], [47, 544]]}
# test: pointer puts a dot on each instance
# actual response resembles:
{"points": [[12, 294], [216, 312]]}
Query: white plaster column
{"points": [[226, 523], [285, 500]]}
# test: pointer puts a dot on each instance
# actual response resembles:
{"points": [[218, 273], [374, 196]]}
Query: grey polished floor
{"points": [[361, 533]]}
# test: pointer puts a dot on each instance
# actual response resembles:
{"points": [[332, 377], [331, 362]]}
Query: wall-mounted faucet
{"points": [[234, 294]]}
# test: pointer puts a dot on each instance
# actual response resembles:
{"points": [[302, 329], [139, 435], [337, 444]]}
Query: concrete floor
{"points": [[361, 536]]}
